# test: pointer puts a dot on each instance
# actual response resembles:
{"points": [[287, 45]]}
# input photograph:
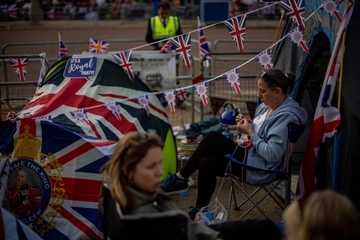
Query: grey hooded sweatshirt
{"points": [[269, 144]]}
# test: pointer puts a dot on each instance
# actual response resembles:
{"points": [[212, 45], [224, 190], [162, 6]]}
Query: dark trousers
{"points": [[209, 158]]}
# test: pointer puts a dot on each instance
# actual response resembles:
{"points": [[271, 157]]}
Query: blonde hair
{"points": [[130, 150], [323, 215]]}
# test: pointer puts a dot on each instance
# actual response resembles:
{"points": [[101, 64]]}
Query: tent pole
{"points": [[278, 30], [342, 63]]}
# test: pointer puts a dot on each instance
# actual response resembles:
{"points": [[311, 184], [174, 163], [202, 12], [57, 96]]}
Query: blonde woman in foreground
{"points": [[323, 215]]}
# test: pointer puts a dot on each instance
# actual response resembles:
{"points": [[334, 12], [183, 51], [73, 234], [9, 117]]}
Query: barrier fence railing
{"points": [[14, 94]]}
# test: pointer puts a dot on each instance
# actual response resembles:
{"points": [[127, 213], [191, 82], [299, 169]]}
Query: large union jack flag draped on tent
{"points": [[62, 48], [203, 46], [98, 46], [326, 117], [236, 27], [295, 9], [124, 60], [332, 8], [182, 45], [68, 148], [297, 37], [20, 67]]}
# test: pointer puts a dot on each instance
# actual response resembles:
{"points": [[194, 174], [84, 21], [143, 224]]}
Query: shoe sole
{"points": [[176, 192]]}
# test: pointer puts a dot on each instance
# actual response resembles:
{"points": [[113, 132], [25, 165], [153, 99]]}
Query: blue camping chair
{"points": [[282, 176]]}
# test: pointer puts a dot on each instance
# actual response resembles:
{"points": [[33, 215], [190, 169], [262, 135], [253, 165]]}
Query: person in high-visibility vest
{"points": [[162, 26]]}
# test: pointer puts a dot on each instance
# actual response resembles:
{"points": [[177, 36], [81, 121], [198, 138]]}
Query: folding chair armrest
{"points": [[251, 168]]}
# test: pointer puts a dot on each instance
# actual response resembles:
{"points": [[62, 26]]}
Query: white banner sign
{"points": [[156, 70]]}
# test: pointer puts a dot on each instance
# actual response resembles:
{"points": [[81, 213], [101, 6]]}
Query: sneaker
{"points": [[171, 185], [193, 212]]}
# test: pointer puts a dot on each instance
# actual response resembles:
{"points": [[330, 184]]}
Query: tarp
{"points": [[63, 136], [320, 34]]}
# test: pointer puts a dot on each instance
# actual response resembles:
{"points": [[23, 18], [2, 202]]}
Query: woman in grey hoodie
{"points": [[268, 139]]}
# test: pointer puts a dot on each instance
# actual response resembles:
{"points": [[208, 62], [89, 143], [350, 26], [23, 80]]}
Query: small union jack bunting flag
{"points": [[332, 8], [232, 77], [236, 27], [265, 59], [182, 45], [297, 37], [170, 97], [295, 9], [144, 102], [124, 60], [62, 48], [114, 108], [166, 48], [98, 46], [181, 94], [201, 90], [20, 67], [203, 46]]}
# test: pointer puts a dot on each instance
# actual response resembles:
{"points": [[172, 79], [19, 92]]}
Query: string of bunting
{"points": [[182, 43]]}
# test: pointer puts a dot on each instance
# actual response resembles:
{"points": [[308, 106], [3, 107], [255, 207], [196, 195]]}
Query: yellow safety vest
{"points": [[158, 29]]}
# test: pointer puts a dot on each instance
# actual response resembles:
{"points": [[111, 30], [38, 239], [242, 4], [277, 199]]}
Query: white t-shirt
{"points": [[258, 121]]}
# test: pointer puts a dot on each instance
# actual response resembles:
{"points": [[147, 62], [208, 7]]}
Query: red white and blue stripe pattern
{"points": [[20, 66], [236, 27], [203, 46], [182, 45], [98, 46], [124, 60]]}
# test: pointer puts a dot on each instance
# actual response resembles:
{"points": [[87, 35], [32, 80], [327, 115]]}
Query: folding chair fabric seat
{"points": [[162, 225], [294, 132]]}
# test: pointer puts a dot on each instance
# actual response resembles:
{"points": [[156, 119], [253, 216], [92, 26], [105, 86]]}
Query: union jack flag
{"points": [[13, 11], [232, 77], [181, 94], [124, 60], [170, 98], [201, 90], [236, 27], [297, 37], [70, 185], [20, 66], [295, 9], [166, 48], [70, 151], [98, 46], [332, 8], [62, 48], [183, 47], [326, 117], [203, 46], [265, 59]]}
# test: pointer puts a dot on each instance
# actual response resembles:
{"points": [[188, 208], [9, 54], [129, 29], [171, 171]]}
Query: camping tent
{"points": [[335, 168], [66, 133]]}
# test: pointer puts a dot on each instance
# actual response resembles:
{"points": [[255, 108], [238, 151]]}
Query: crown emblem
{"points": [[27, 145]]}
